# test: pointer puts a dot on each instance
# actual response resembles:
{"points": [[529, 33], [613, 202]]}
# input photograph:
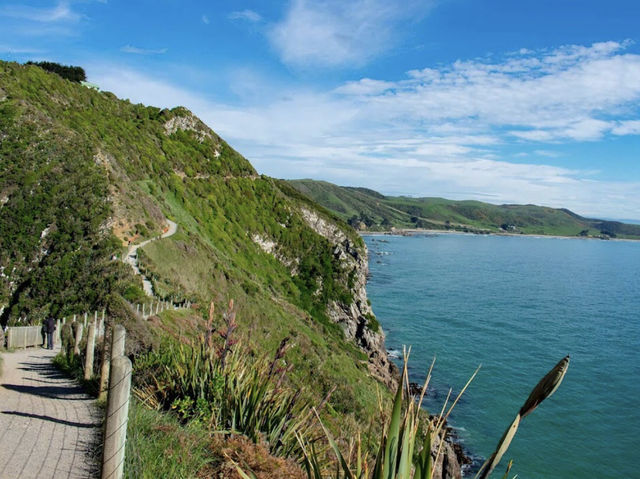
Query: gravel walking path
{"points": [[49, 427], [132, 256]]}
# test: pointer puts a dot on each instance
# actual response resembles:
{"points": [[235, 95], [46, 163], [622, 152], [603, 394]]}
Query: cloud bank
{"points": [[448, 131]]}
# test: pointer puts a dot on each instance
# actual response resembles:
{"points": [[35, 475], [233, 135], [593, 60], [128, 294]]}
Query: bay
{"points": [[517, 305]]}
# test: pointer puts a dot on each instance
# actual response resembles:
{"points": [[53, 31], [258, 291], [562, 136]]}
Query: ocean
{"points": [[516, 306]]}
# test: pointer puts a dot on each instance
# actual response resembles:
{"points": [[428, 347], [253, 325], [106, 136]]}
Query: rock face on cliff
{"points": [[356, 317], [449, 464]]}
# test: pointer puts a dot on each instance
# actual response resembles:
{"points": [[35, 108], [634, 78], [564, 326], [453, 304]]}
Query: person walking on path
{"points": [[49, 328]]}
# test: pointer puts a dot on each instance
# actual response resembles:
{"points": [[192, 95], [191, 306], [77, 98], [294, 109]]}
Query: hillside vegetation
{"points": [[83, 173], [369, 210]]}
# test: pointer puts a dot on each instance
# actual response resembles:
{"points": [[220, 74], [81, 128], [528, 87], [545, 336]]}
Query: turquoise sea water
{"points": [[517, 305]]}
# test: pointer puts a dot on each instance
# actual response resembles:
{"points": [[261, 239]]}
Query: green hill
{"points": [[83, 173], [369, 210]]}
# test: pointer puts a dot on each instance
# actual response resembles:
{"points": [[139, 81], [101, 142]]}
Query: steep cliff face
{"points": [[356, 317]]}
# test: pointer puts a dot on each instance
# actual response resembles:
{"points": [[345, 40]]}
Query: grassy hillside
{"points": [[369, 210], [84, 173]]}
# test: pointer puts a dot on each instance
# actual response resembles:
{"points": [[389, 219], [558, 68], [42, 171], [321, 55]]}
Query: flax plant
{"points": [[227, 390]]}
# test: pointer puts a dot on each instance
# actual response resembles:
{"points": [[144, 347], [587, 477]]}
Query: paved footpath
{"points": [[48, 426]]}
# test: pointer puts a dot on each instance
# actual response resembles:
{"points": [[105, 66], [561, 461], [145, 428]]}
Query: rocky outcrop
{"points": [[356, 317], [188, 122], [449, 462], [272, 248]]}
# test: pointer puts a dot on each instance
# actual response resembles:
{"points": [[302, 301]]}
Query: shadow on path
{"points": [[68, 393], [52, 419], [47, 370]]}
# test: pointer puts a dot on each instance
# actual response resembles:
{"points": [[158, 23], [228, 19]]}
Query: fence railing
{"points": [[29, 336], [145, 310], [24, 336]]}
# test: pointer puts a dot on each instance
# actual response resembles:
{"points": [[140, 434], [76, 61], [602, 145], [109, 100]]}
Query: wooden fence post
{"points": [[76, 347], [117, 341], [117, 416], [104, 366], [100, 330], [88, 358]]}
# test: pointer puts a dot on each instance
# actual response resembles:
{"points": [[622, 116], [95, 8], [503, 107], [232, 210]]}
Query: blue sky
{"points": [[529, 101]]}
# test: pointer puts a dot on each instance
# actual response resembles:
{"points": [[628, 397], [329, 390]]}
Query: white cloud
{"points": [[246, 15], [365, 86], [18, 50], [62, 12], [630, 127], [330, 33], [588, 129], [205, 19], [438, 131], [547, 153], [142, 51]]}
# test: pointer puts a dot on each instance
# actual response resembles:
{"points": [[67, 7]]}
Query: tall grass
{"points": [[159, 447]]}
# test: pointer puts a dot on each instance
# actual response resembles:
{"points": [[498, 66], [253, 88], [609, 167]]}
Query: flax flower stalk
{"points": [[545, 388]]}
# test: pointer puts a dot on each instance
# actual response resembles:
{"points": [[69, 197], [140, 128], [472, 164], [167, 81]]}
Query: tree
{"points": [[69, 72]]}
